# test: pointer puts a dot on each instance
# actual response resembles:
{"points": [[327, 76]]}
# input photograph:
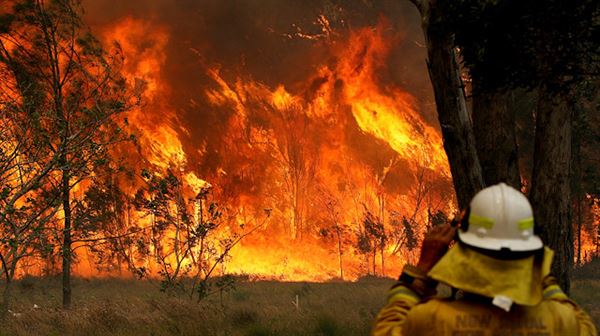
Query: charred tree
{"points": [[506, 47], [576, 181], [551, 190], [339, 229], [448, 88], [298, 160], [495, 137]]}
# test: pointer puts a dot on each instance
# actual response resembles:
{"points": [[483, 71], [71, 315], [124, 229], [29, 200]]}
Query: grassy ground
{"points": [[122, 307]]}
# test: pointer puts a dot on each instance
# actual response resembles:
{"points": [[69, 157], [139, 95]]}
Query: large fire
{"points": [[331, 172], [299, 159]]}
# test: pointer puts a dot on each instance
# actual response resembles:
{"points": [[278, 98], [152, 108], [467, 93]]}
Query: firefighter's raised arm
{"points": [[413, 284]]}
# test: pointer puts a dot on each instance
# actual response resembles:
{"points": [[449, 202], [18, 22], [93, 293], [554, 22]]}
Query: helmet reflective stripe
{"points": [[525, 224], [487, 223], [500, 218]]}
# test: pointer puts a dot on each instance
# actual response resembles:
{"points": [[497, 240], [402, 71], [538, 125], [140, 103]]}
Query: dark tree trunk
{"points": [[383, 235], [66, 248], [495, 138], [455, 122], [340, 251], [9, 273], [579, 202], [577, 189], [551, 188], [374, 257], [6, 298]]}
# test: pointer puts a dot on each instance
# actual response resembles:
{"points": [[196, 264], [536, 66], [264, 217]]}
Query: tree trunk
{"points": [[6, 296], [577, 189], [66, 248], [551, 189], [383, 235], [495, 138], [374, 257], [382, 260], [455, 122], [340, 252], [579, 224], [9, 273]]}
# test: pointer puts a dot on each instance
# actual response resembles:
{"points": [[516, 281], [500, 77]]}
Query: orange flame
{"points": [[307, 160]]}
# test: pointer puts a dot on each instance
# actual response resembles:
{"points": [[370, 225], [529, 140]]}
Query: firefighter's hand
{"points": [[435, 245]]}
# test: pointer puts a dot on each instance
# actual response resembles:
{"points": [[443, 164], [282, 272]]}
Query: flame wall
{"points": [[314, 112]]}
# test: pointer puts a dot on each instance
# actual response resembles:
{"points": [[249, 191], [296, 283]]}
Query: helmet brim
{"points": [[532, 243]]}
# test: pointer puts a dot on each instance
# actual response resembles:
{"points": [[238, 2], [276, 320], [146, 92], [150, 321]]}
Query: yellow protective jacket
{"points": [[406, 314]]}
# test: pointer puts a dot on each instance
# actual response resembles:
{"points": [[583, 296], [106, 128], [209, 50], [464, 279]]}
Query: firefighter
{"points": [[501, 270]]}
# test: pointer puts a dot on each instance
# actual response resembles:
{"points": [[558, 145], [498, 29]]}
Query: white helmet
{"points": [[500, 217]]}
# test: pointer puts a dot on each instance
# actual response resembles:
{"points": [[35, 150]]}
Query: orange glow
{"points": [[145, 56], [590, 231], [300, 163], [384, 112]]}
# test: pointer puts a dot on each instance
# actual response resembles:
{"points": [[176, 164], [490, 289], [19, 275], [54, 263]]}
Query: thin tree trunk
{"points": [[66, 248], [340, 252], [576, 180], [495, 138], [382, 260], [455, 122], [579, 220], [374, 257], [551, 189], [9, 272], [6, 298], [383, 235]]}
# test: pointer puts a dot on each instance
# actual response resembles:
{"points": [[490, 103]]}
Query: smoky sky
{"points": [[251, 37]]}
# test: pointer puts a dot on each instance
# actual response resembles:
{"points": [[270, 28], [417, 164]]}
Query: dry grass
{"points": [[127, 307], [121, 307], [585, 290]]}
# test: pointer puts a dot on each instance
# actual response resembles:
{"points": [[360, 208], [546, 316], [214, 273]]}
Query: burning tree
{"points": [[189, 236], [372, 236], [296, 147], [27, 201], [335, 228], [102, 223], [70, 89]]}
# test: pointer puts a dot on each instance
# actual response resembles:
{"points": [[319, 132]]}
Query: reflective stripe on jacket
{"points": [[405, 314]]}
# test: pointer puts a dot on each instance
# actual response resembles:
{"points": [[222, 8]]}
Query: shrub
{"points": [[257, 330], [327, 326], [243, 317]]}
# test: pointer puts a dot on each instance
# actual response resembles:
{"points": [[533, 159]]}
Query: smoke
{"points": [[283, 105], [311, 111], [252, 37], [276, 43]]}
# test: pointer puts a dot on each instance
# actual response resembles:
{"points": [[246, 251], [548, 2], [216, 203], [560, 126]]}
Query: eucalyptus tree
{"points": [[72, 91]]}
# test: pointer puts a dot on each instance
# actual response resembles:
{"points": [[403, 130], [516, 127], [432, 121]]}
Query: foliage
{"points": [[403, 233], [439, 218], [374, 229], [371, 237], [61, 93], [102, 224], [189, 238], [508, 43]]}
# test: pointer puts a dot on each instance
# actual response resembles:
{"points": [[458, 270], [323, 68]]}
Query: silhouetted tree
{"points": [[505, 46]]}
